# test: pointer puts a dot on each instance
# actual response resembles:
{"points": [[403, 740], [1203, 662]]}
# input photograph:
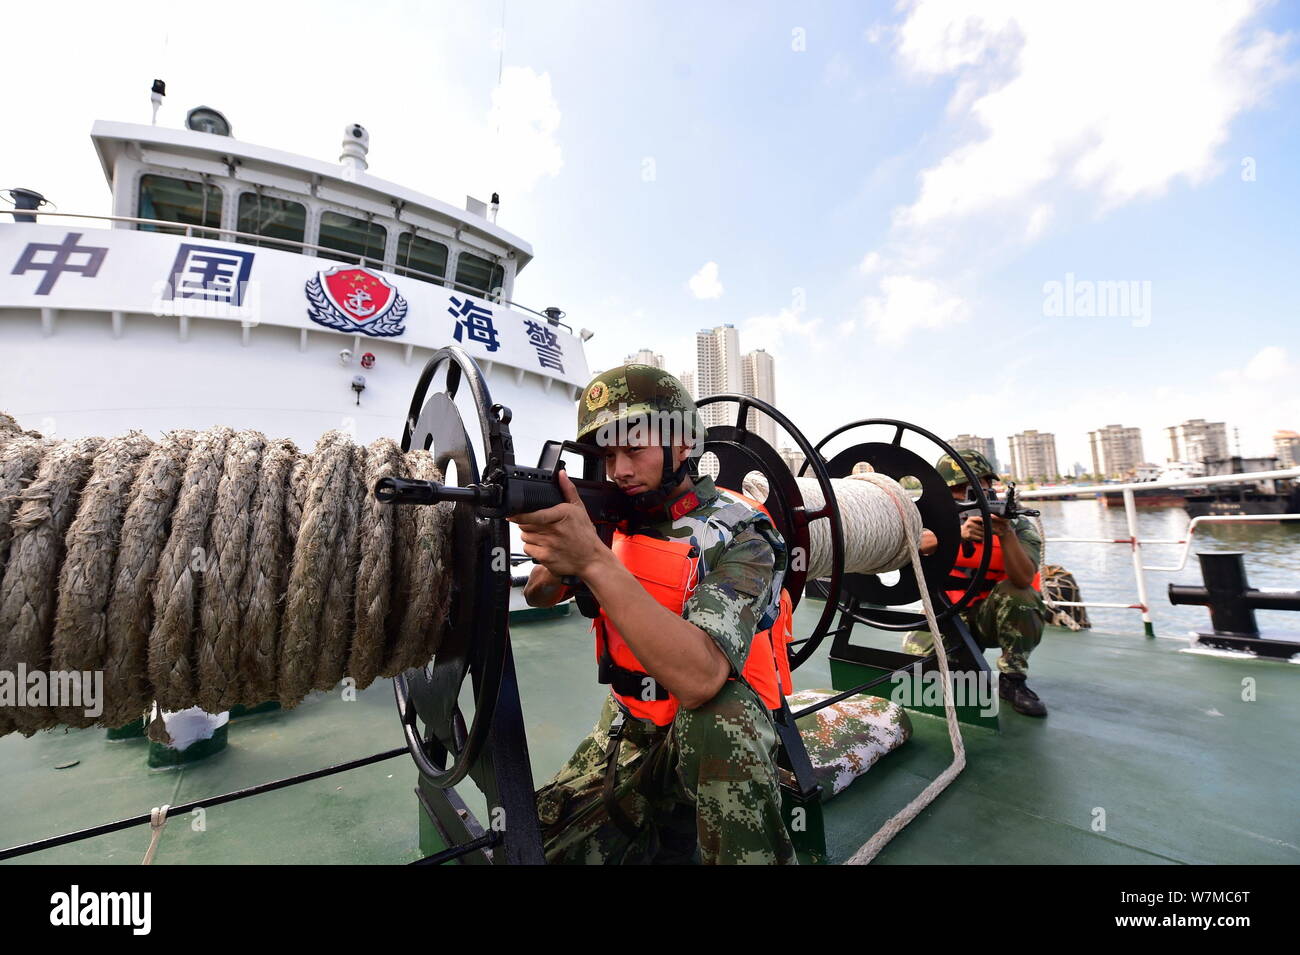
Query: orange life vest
{"points": [[669, 572], [997, 570]]}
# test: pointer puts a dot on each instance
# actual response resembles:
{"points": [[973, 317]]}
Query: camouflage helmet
{"points": [[632, 393], [952, 473]]}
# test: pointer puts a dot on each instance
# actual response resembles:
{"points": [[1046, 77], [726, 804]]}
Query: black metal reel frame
{"points": [[476, 634], [475, 642], [740, 451], [940, 514]]}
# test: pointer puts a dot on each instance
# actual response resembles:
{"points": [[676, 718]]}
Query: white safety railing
{"points": [[1135, 543], [1212, 519]]}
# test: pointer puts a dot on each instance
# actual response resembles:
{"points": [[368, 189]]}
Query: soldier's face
{"points": [[637, 469], [959, 490]]}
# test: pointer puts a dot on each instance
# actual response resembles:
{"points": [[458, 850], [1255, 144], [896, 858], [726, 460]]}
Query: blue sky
{"points": [[885, 190]]}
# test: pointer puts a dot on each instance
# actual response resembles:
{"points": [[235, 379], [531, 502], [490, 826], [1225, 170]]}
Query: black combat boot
{"points": [[1011, 687]]}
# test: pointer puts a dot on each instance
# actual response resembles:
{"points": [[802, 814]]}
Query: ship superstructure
{"points": [[241, 285]]}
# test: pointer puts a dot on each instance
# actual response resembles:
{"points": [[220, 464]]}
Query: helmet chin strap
{"points": [[672, 476]]}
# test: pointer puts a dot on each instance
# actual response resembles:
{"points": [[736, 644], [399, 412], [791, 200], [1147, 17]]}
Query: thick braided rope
{"points": [[212, 568], [882, 532], [874, 541], [27, 595], [1060, 615], [80, 639], [127, 690], [910, 519]]}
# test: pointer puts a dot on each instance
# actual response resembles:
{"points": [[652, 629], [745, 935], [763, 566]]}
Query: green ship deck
{"points": [[1160, 740]]}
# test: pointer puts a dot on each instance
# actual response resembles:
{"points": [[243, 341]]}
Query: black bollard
{"points": [[1232, 603]]}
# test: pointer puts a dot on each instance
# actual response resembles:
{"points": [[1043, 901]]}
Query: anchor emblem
{"points": [[355, 300], [357, 303]]}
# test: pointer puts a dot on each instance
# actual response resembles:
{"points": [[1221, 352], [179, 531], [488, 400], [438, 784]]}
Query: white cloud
{"points": [[1120, 102], [1268, 364], [1038, 220], [907, 303], [870, 263], [770, 331], [1054, 113], [704, 283], [522, 124]]}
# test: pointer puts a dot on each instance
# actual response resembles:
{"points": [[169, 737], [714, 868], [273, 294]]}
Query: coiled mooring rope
{"points": [[875, 542], [211, 569], [882, 532]]}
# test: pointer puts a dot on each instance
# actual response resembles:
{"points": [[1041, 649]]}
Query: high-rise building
{"points": [[793, 459], [969, 442], [1033, 456], [687, 378], [758, 378], [1116, 451], [644, 357], [1196, 440], [717, 371], [1286, 445]]}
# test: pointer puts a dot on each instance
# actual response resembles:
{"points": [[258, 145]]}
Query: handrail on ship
{"points": [[1135, 543], [361, 260]]}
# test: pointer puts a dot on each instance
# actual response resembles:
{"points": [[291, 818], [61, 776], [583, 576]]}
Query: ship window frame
{"points": [[304, 247], [405, 270], [321, 251], [493, 262], [180, 228]]}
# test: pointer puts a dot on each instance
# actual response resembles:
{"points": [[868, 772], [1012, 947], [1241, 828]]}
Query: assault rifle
{"points": [[518, 489], [510, 489], [1008, 508]]}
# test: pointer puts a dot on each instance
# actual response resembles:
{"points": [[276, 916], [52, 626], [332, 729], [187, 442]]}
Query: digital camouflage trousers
{"points": [[701, 790], [1010, 618]]}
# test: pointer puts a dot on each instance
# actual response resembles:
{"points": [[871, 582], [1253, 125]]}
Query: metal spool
{"points": [[939, 514], [476, 639], [740, 451]]}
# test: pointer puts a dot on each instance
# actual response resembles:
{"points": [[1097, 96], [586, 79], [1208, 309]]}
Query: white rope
{"points": [[157, 820], [1060, 615], [874, 540], [910, 520], [882, 532]]}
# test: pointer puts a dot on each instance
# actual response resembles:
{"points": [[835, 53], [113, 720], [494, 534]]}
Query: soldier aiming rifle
{"points": [[1010, 615], [681, 764]]}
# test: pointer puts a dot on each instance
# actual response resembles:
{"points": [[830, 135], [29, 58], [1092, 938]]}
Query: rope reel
{"points": [[801, 510], [939, 513], [476, 637]]}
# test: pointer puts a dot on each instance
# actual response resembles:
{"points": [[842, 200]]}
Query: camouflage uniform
{"points": [[704, 788], [1009, 617]]}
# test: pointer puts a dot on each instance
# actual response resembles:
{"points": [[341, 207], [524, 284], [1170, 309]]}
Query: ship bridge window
{"points": [[478, 274], [178, 200], [359, 238], [416, 254], [273, 218]]}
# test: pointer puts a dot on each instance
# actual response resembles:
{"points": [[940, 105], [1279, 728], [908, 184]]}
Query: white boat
{"points": [[235, 284]]}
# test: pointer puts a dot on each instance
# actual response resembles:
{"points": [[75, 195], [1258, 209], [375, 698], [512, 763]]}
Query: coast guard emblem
{"points": [[597, 396], [355, 300]]}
